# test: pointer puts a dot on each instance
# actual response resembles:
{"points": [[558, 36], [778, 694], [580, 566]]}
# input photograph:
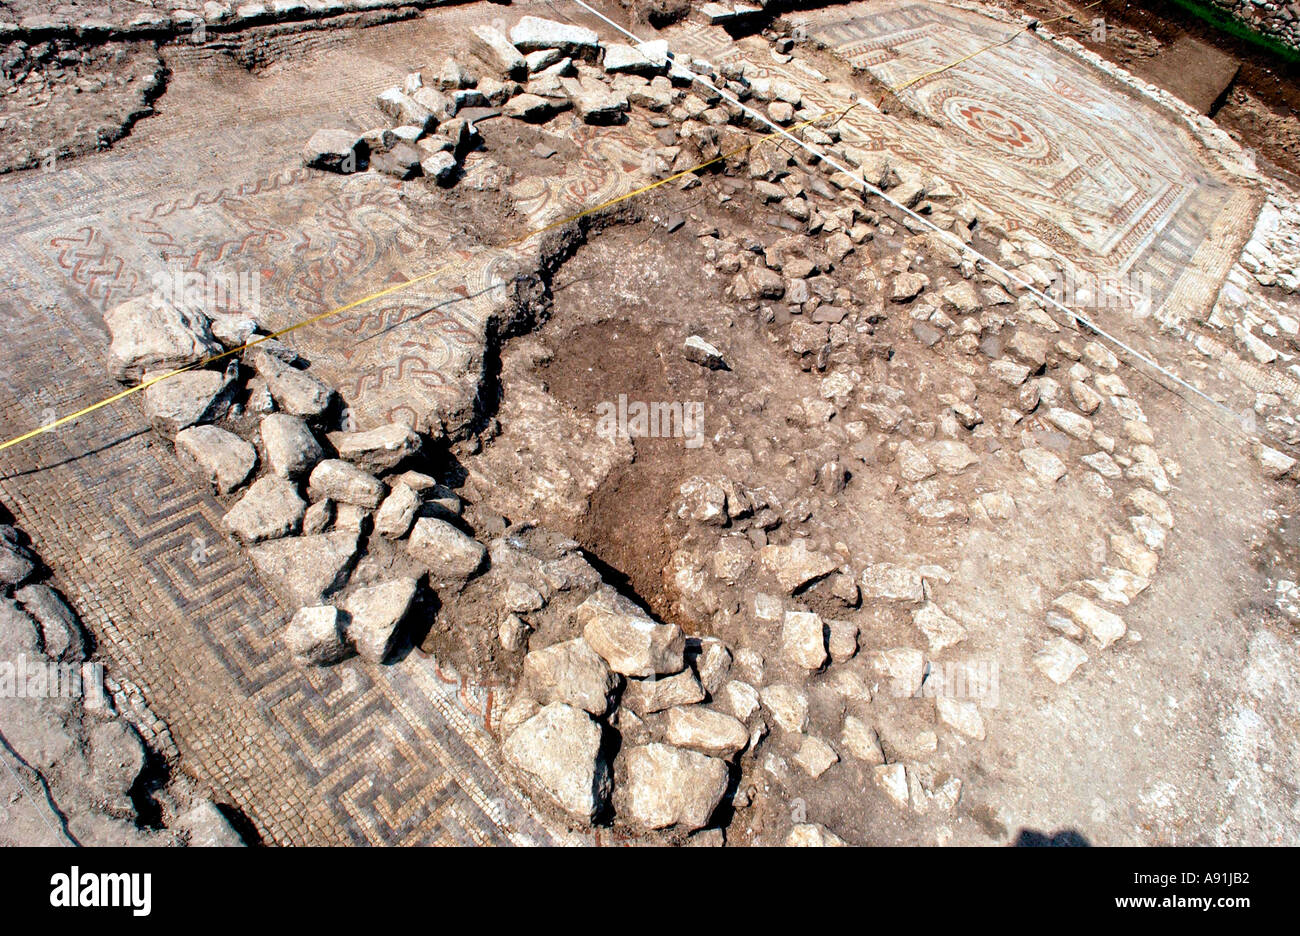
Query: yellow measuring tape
{"points": [[512, 243], [122, 395]]}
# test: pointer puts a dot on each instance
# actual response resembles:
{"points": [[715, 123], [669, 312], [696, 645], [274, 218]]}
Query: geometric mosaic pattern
{"points": [[358, 754], [347, 754], [400, 754], [1109, 181]]}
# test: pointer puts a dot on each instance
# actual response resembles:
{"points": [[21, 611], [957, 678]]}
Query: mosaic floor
{"points": [[399, 754], [1110, 182]]}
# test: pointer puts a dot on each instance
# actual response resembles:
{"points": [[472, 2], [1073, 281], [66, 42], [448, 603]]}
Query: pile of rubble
{"points": [[615, 715], [338, 523], [294, 444], [542, 69]]}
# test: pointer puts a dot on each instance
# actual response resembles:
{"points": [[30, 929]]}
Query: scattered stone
{"points": [[148, 334], [1099, 357], [534, 108], [507, 56], [859, 739], [318, 517], [927, 796], [892, 780], [843, 640], [816, 757], [1084, 397], [941, 630], [448, 554], [441, 166], [402, 161], [666, 786], [803, 640], [999, 505], [315, 636], [1059, 659], [963, 716], [657, 96], [630, 641], [960, 297], [807, 834], [558, 750], [1103, 464], [789, 707], [703, 500], [376, 614], [740, 698], [542, 58], [904, 667], [453, 76], [912, 464], [295, 392], [291, 449], [705, 730], [220, 457], [701, 352], [1276, 465], [187, 399], [522, 598], [345, 483], [306, 569], [513, 632], [351, 517], [377, 450], [1136, 557], [846, 590], [655, 694], [597, 104], [532, 33], [1125, 583], [572, 673], [894, 582], [951, 457], [794, 566], [1043, 464], [1029, 350], [397, 512], [907, 286], [1106, 626], [711, 661], [269, 509], [646, 58], [1152, 504], [1009, 372], [1070, 423], [1063, 625], [405, 109], [335, 151]]}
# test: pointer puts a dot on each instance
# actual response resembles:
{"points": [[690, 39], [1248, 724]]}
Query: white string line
{"points": [[949, 236], [29, 797]]}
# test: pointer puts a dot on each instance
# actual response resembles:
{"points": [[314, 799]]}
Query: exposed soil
{"points": [[59, 99], [1119, 755]]}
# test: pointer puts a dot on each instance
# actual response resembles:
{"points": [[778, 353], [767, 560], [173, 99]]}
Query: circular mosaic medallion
{"points": [[995, 126]]}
